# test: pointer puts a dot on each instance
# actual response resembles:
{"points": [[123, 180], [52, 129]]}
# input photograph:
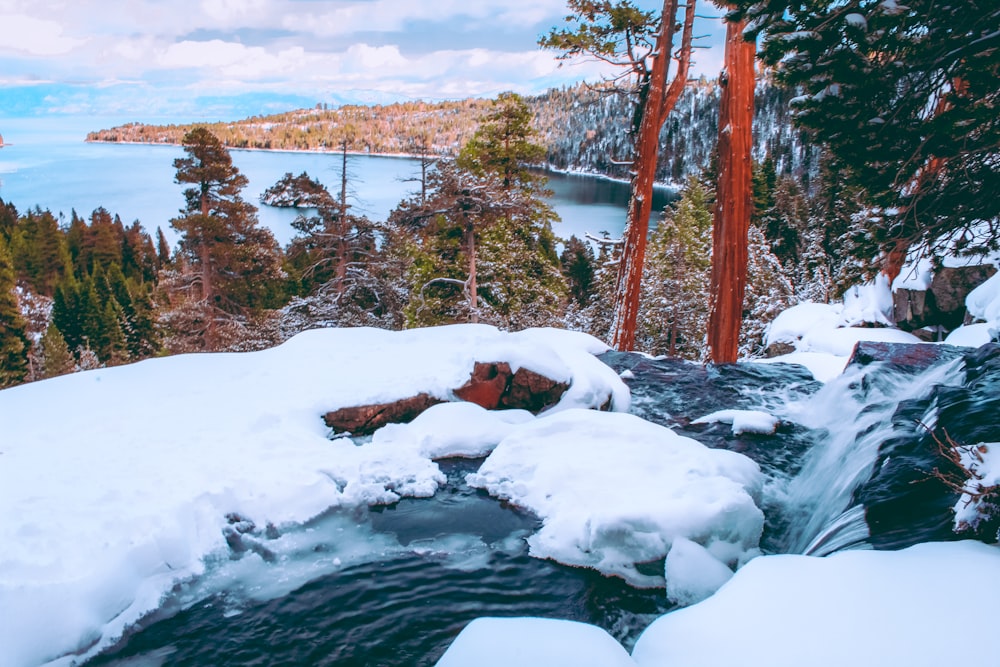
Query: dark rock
{"points": [[488, 384], [778, 349], [532, 391], [366, 419], [913, 309], [910, 357], [950, 286]]}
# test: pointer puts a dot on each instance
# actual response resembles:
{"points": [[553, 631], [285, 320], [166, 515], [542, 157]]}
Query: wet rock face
{"points": [[907, 500], [906, 357], [944, 303]]}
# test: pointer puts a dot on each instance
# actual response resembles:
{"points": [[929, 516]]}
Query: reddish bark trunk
{"points": [[647, 152], [733, 198]]}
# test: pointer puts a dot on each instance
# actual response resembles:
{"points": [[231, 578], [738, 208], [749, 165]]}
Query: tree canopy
{"points": [[906, 99]]}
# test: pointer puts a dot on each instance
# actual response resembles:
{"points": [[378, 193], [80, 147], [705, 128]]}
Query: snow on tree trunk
{"points": [[734, 197]]}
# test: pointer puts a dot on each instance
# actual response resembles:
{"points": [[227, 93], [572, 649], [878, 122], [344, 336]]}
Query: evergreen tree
{"points": [[578, 267], [906, 96], [39, 251], [14, 343], [233, 266], [162, 248], [768, 293], [674, 314], [56, 357]]}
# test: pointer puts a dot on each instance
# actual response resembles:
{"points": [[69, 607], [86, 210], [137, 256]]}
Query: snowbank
{"points": [[859, 608], [824, 335], [613, 490], [984, 301], [115, 484], [534, 642]]}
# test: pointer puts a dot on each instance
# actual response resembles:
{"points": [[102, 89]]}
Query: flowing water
{"points": [[394, 585]]}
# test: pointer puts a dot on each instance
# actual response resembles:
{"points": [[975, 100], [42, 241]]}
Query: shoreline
{"points": [[662, 185]]}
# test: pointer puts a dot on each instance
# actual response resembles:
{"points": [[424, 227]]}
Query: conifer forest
{"points": [[915, 85]]}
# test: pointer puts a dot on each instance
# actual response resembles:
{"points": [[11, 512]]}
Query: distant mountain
{"points": [[585, 128]]}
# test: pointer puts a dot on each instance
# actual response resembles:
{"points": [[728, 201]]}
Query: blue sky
{"points": [[232, 58]]}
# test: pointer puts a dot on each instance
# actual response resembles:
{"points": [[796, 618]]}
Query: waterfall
{"points": [[853, 415]]}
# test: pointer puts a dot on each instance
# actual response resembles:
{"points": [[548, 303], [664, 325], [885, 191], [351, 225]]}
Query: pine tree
{"points": [[768, 293], [56, 357], [14, 343], [578, 267], [906, 95], [675, 299], [641, 44], [234, 265]]}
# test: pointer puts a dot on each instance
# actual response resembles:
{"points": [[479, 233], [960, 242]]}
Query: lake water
{"points": [[47, 163]]}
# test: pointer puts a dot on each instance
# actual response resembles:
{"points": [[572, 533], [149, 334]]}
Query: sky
{"points": [[227, 59]]}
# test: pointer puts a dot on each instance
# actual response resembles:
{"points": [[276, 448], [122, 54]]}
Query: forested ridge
{"points": [[583, 128]]}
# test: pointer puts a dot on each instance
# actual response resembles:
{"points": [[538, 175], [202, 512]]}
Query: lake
{"points": [[48, 164]]}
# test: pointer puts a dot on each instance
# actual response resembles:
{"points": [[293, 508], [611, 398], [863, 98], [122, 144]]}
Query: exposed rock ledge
{"points": [[492, 385]]}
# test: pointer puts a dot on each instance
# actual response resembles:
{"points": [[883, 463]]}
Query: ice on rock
{"points": [[534, 642], [743, 421], [613, 490], [693, 573]]}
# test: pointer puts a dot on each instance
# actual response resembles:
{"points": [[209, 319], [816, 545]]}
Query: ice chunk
{"points": [[693, 573], [613, 490], [534, 642], [743, 421]]}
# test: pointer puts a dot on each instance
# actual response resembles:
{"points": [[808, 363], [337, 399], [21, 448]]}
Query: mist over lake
{"points": [[46, 163]]}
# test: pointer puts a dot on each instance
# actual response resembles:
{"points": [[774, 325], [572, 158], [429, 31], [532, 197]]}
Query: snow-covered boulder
{"points": [[613, 490], [534, 642]]}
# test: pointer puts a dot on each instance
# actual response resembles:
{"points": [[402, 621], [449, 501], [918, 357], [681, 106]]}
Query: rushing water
{"points": [[48, 164]]}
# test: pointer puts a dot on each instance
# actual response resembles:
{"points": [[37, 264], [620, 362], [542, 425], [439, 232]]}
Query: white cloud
{"points": [[33, 36]]}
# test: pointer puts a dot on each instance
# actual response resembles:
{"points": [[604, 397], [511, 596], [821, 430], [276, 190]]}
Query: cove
{"points": [[47, 164]]}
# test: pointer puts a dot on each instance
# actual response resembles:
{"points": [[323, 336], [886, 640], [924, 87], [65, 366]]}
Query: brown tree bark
{"points": [[733, 198], [659, 101]]}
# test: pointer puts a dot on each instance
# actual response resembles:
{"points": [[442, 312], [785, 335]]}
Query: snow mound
{"points": [[692, 573], [973, 335], [613, 490], [534, 642], [859, 608], [870, 303], [743, 421], [452, 429], [792, 325], [118, 483], [983, 302]]}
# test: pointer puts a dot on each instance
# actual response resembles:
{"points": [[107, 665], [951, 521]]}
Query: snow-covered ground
{"points": [[117, 483]]}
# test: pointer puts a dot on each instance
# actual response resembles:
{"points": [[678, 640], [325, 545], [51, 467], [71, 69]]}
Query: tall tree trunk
{"points": [[733, 200], [647, 151], [207, 288], [473, 286]]}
